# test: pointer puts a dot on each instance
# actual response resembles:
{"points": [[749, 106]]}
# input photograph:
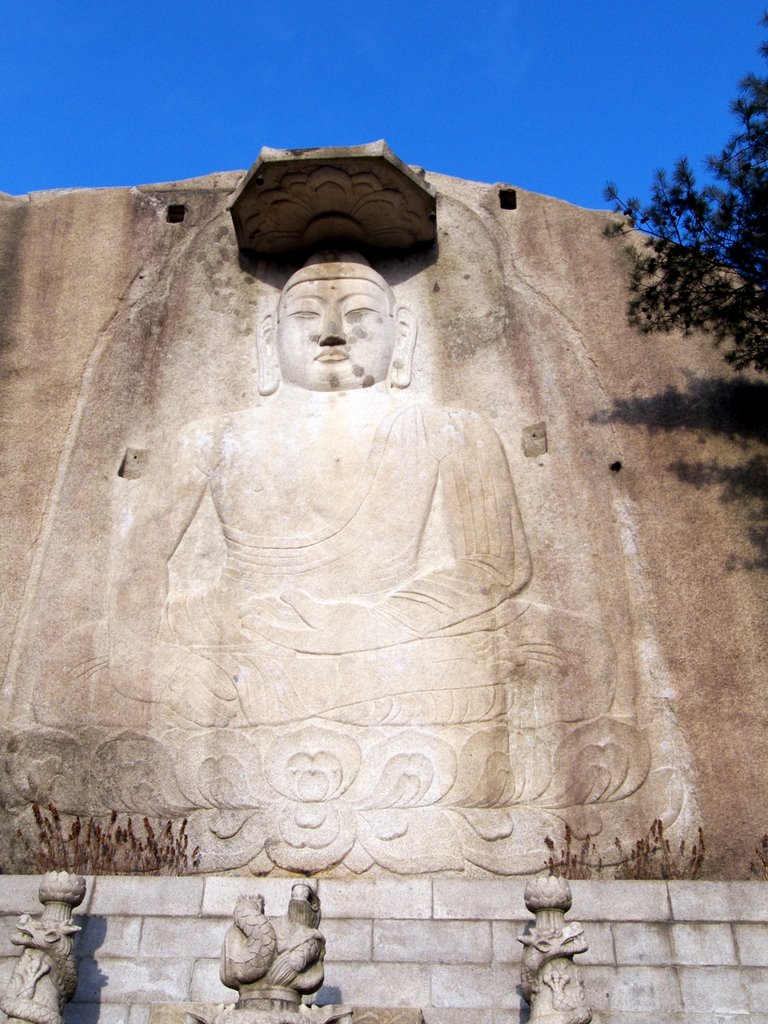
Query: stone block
{"points": [[620, 901], [176, 1013], [620, 1017], [139, 1013], [451, 1015], [119, 894], [387, 1015], [134, 981], [347, 940], [475, 987], [600, 939], [492, 899], [377, 898], [376, 985], [639, 990], [703, 945], [445, 942], [713, 990], [92, 1013], [109, 936], [177, 936], [719, 901], [206, 984], [752, 944], [220, 894], [755, 982], [502, 899], [506, 948], [639, 942], [18, 894]]}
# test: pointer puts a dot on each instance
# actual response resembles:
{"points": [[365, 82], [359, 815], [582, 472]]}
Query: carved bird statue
{"points": [[249, 945], [299, 963]]}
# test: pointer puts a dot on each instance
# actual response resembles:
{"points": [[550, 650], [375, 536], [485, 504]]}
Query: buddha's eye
{"points": [[304, 314], [356, 316]]}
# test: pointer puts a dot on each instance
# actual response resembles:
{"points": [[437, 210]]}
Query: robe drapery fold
{"points": [[428, 554]]}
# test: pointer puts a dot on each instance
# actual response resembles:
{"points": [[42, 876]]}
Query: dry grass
{"points": [[650, 856], [111, 847], [574, 861], [758, 868], [653, 856]]}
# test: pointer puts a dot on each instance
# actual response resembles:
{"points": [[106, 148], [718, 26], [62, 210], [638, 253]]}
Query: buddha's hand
{"points": [[195, 688], [311, 626], [200, 691], [131, 667]]}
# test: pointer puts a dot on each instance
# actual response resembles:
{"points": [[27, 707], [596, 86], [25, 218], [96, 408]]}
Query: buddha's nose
{"points": [[332, 334]]}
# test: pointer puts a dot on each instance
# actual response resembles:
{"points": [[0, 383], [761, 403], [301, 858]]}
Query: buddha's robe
{"points": [[402, 609]]}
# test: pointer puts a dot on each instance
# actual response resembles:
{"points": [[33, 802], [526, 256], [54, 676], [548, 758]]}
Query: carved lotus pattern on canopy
{"points": [[331, 204], [362, 197]]}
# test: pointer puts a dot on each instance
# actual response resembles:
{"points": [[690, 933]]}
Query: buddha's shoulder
{"points": [[204, 441], [453, 421], [241, 421], [453, 430]]}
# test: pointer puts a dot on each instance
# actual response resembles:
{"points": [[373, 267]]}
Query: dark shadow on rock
{"points": [[746, 483], [524, 1011], [86, 1006], [395, 268], [731, 408], [721, 406], [92, 936], [329, 995]]}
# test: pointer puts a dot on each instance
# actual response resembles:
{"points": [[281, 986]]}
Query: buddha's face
{"points": [[335, 334]]}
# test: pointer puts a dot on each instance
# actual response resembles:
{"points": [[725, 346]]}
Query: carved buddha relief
{"points": [[369, 628], [314, 625], [326, 604]]}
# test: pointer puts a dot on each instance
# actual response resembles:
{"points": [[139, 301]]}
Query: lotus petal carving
{"points": [[361, 196]]}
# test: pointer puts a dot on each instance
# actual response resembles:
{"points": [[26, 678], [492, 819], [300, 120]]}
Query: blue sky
{"points": [[555, 96]]}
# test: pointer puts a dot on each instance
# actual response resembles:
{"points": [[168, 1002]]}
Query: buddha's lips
{"points": [[333, 356]]}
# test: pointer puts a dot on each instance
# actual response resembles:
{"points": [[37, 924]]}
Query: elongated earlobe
{"points": [[402, 357], [269, 368]]}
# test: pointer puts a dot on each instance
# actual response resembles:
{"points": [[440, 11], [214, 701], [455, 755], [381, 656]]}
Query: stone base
{"points": [[658, 951], [181, 1013]]}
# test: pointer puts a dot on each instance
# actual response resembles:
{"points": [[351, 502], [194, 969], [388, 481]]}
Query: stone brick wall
{"points": [[677, 951]]}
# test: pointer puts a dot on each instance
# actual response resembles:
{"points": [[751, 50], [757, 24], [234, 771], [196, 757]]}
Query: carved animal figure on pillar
{"points": [[45, 977], [274, 963], [550, 981]]}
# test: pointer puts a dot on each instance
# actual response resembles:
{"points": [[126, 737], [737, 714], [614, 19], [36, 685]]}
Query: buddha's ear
{"points": [[402, 357], [269, 367]]}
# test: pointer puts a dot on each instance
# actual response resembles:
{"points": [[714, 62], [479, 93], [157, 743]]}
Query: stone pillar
{"points": [[550, 980], [45, 977]]}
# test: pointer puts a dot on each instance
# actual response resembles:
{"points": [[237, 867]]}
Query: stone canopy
{"points": [[393, 560], [292, 201]]}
